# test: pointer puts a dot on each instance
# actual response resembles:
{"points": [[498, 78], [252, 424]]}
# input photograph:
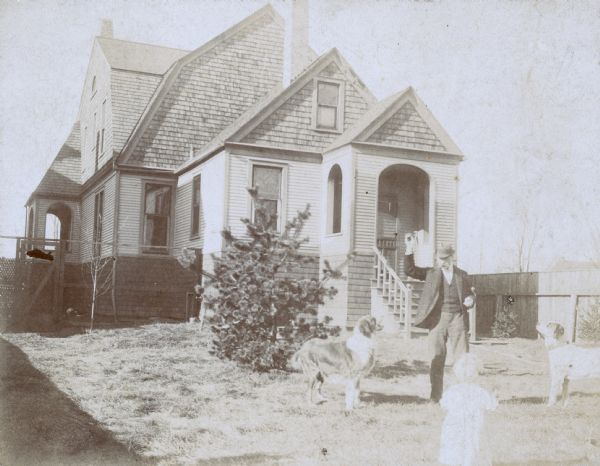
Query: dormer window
{"points": [[328, 113]]}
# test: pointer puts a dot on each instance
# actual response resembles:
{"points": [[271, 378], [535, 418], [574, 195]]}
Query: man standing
{"points": [[443, 309]]}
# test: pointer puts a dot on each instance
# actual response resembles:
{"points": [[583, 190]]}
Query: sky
{"points": [[516, 84]]}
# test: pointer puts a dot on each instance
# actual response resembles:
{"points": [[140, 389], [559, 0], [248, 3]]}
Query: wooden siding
{"points": [[291, 124], [303, 187], [407, 129], [92, 103], [212, 200], [87, 218], [370, 166], [130, 211], [339, 243], [360, 272], [183, 219], [211, 92]]}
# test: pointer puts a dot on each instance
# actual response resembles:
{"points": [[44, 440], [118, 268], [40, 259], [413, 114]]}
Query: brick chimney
{"points": [[106, 28], [297, 54]]}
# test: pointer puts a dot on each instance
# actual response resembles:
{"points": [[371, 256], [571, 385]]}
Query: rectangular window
{"points": [[328, 96], [157, 210], [98, 215], [196, 206], [268, 181]]}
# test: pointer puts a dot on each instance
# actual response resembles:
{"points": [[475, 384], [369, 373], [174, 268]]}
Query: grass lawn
{"points": [[161, 394]]}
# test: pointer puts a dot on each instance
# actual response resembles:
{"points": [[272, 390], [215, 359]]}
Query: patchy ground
{"points": [[40, 425], [155, 391]]}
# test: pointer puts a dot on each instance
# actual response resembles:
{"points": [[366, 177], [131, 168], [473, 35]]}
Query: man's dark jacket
{"points": [[430, 306]]}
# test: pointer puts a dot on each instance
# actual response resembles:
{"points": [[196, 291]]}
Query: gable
{"points": [[62, 178], [291, 125], [210, 91], [406, 128]]}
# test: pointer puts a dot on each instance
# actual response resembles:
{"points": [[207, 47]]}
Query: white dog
{"points": [[567, 361], [350, 358]]}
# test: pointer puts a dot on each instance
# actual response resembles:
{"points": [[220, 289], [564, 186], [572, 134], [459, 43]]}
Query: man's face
{"points": [[445, 263]]}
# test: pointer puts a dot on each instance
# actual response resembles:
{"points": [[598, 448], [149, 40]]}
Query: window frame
{"points": [[153, 249], [340, 108], [335, 204], [98, 223], [196, 207], [282, 201]]}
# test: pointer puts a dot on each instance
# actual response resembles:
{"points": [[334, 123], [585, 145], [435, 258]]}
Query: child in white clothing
{"points": [[466, 403]]}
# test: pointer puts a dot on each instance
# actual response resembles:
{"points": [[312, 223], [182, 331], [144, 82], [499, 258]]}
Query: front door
{"points": [[388, 228]]}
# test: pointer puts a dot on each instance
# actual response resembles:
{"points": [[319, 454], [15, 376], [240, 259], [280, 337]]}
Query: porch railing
{"points": [[397, 294]]}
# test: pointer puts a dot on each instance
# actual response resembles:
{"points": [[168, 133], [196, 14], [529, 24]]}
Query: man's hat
{"points": [[445, 250]]}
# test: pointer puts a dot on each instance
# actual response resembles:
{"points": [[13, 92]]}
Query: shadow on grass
{"points": [[538, 400], [382, 398], [399, 369], [41, 425]]}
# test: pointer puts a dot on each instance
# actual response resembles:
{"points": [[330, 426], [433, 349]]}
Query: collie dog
{"points": [[567, 361], [350, 359]]}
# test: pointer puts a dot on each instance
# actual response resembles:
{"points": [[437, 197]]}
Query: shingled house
{"points": [[167, 141]]}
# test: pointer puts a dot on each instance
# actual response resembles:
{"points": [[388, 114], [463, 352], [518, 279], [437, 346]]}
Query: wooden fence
{"points": [[535, 297]]}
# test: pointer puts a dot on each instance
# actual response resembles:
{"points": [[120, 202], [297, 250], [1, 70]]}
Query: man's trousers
{"points": [[450, 332]]}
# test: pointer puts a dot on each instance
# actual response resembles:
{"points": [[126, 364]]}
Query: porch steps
{"points": [[394, 301], [380, 299]]}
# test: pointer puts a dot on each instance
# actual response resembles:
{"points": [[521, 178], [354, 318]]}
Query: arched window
{"points": [[334, 200]]}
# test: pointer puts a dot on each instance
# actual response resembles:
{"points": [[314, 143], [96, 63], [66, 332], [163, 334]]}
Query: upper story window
{"points": [[196, 206], [334, 200], [157, 213], [328, 113], [93, 86], [268, 181]]}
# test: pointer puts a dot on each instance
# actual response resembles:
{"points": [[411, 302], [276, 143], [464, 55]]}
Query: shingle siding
{"points": [[130, 92], [407, 129], [211, 92], [291, 124]]}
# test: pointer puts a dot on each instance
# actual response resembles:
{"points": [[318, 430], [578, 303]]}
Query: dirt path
{"points": [[40, 425]]}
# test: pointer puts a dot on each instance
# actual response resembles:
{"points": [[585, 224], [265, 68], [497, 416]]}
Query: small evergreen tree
{"points": [[261, 313], [589, 320], [505, 322]]}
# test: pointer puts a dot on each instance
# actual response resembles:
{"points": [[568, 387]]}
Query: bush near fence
{"points": [[535, 297]]}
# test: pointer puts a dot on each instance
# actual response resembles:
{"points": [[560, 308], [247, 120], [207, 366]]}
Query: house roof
{"points": [[62, 178], [405, 101], [130, 93], [135, 56], [273, 100], [170, 89]]}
